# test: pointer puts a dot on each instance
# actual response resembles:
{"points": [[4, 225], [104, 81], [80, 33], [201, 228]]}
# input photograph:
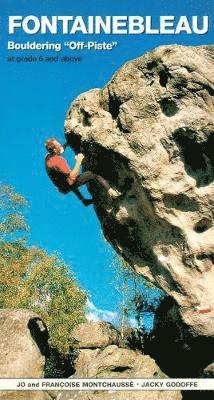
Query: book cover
{"points": [[106, 199]]}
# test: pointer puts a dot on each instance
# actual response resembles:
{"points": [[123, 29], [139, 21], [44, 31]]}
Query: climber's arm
{"points": [[63, 167], [79, 160]]}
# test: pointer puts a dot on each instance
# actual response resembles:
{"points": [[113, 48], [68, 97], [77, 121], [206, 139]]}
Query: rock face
{"points": [[23, 347], [177, 351], [95, 335], [149, 132], [120, 396], [112, 361], [115, 362]]}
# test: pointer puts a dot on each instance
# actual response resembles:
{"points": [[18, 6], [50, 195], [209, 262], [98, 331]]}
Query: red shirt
{"points": [[59, 172]]}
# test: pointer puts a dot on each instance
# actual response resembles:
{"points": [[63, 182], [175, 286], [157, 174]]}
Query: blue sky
{"points": [[35, 99]]}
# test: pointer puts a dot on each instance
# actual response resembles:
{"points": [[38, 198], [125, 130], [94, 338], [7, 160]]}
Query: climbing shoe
{"points": [[113, 193], [87, 202]]}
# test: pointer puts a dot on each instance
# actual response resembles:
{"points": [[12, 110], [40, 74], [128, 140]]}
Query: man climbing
{"points": [[66, 179]]}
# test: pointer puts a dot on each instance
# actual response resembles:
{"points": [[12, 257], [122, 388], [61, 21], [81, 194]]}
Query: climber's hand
{"points": [[67, 125], [80, 157]]}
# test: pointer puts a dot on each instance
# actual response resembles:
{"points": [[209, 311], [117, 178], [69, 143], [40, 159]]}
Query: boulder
{"points": [[149, 132], [23, 345], [175, 348], [95, 335], [26, 395], [120, 395], [114, 362]]}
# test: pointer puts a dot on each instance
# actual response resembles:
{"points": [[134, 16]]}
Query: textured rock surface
{"points": [[149, 132], [26, 395], [176, 350], [114, 362], [120, 396], [95, 335], [22, 348]]}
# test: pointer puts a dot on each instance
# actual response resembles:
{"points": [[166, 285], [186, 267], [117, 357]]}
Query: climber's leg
{"points": [[87, 176], [85, 202], [84, 178], [111, 192]]}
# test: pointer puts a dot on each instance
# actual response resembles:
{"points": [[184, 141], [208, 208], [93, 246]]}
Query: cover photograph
{"points": [[106, 200]]}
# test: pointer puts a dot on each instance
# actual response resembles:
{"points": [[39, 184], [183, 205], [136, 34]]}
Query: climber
{"points": [[67, 180]]}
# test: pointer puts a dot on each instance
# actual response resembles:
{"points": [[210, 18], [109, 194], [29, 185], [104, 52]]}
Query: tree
{"points": [[32, 279], [122, 280], [12, 220], [138, 296]]}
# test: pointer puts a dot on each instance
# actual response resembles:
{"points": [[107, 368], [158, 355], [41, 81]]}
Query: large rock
{"points": [[23, 345], [26, 395], [126, 395], [115, 362], [95, 334], [176, 350], [149, 132]]}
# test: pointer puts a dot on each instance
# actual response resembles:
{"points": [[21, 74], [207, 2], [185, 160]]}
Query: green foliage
{"points": [[31, 279], [34, 280], [11, 208]]}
